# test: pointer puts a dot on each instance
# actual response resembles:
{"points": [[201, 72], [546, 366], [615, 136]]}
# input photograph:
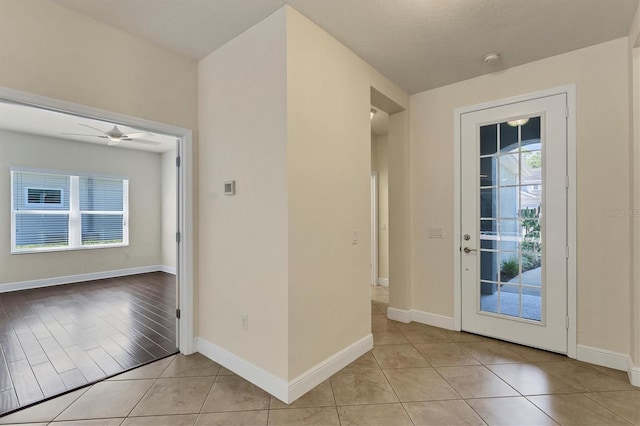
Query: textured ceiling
{"points": [[418, 44]]}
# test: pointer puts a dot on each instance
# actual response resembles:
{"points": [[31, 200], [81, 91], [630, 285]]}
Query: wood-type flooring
{"points": [[55, 339]]}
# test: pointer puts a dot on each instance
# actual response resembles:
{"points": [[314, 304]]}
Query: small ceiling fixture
{"points": [[115, 135], [372, 113], [491, 58], [518, 122]]}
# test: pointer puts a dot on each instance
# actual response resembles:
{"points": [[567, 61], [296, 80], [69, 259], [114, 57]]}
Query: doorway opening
{"points": [[95, 205], [379, 206]]}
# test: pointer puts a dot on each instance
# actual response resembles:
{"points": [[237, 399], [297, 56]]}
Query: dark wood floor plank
{"points": [[32, 349], [104, 361], [5, 378], [85, 363], [24, 382], [11, 346], [50, 382], [58, 357], [73, 379], [61, 335], [8, 401], [132, 347], [55, 339], [38, 328]]}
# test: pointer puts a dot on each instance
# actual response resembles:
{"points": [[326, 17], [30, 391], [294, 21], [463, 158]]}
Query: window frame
{"points": [[74, 213]]}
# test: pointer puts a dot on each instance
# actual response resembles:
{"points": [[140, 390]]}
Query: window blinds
{"points": [[58, 211]]}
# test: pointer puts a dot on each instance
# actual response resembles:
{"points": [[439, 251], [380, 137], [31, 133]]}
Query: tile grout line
{"points": [[215, 378], [149, 389]]}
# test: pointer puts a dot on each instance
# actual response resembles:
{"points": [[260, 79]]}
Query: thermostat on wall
{"points": [[230, 187]]}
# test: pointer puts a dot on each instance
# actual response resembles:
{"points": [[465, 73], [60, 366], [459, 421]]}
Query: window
{"points": [[54, 211]]}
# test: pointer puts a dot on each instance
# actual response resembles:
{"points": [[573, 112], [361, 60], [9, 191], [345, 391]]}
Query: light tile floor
{"points": [[415, 375]]}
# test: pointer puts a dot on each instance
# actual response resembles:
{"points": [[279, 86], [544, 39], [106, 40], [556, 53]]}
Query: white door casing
{"points": [[374, 228]]}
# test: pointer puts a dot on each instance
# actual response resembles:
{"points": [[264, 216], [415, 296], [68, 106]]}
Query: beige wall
{"points": [[329, 169], [169, 208], [374, 154], [600, 75], [143, 170], [243, 238], [400, 255], [382, 167], [59, 53]]}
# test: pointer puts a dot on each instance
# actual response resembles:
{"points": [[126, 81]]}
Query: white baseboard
{"points": [[422, 317], [286, 392], [256, 375], [46, 282], [435, 320], [399, 315], [603, 357], [384, 282], [327, 368], [168, 269], [634, 373]]}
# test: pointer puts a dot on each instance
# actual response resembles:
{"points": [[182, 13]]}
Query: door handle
{"points": [[468, 250]]}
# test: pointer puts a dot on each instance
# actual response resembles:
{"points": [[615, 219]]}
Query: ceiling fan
{"points": [[115, 136]]}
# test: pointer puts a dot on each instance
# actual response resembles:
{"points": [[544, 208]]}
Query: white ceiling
{"points": [[418, 44], [26, 119]]}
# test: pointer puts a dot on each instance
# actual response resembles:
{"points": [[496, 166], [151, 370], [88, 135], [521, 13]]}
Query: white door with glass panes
{"points": [[514, 222]]}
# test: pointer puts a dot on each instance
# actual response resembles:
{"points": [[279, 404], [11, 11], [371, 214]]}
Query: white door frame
{"points": [[374, 228], [570, 91], [185, 207]]}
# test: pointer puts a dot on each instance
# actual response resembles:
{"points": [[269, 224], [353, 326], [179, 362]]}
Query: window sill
{"points": [[59, 249]]}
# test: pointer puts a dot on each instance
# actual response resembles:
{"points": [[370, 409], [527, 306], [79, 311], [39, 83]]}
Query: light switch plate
{"points": [[436, 233]]}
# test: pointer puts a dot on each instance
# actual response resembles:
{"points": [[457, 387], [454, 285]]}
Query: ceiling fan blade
{"points": [[81, 134], [137, 135], [143, 142], [91, 127]]}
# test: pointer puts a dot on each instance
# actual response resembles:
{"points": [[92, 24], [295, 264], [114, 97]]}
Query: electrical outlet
{"points": [[354, 237], [126, 254], [244, 322]]}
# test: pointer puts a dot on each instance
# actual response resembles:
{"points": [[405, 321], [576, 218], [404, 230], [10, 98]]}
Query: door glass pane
{"points": [[488, 244], [531, 308], [489, 301], [508, 137], [511, 205], [488, 202], [489, 171], [509, 268], [509, 202], [489, 265], [488, 139], [509, 168], [510, 300], [488, 227]]}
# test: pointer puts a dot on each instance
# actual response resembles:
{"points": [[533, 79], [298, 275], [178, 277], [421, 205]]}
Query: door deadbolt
{"points": [[467, 237]]}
